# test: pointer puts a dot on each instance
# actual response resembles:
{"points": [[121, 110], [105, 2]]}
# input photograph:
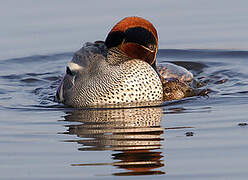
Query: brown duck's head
{"points": [[136, 37]]}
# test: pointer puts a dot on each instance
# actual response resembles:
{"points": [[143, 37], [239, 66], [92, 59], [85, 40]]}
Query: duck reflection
{"points": [[135, 133]]}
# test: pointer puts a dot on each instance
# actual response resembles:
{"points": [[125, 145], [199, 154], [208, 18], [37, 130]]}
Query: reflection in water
{"points": [[135, 133]]}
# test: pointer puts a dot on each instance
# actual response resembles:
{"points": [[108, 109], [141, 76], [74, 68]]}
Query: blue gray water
{"points": [[194, 138]]}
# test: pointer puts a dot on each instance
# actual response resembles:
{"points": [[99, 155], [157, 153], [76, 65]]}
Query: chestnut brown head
{"points": [[136, 37]]}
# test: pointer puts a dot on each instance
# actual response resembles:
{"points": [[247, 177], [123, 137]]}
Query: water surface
{"points": [[194, 138]]}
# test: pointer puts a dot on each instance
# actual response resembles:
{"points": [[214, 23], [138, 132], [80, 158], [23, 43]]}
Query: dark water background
{"points": [[194, 138]]}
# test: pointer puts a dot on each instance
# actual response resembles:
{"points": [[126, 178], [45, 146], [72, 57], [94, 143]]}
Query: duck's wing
{"points": [[84, 55], [81, 60], [172, 71]]}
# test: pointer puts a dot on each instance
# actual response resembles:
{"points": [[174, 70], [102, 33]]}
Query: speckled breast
{"points": [[138, 83]]}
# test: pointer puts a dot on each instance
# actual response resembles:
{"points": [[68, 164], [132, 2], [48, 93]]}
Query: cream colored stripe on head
{"points": [[74, 67]]}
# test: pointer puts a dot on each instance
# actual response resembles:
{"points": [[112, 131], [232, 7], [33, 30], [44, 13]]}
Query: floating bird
{"points": [[121, 70]]}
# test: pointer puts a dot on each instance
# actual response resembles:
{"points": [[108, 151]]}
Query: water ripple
{"points": [[40, 83]]}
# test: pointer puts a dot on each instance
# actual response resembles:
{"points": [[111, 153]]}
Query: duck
{"points": [[116, 71], [121, 70]]}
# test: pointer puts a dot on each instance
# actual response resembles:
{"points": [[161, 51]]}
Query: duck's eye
{"points": [[167, 90], [68, 71], [151, 46]]}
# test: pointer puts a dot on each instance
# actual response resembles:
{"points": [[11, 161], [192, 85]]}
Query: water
{"points": [[194, 138]]}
